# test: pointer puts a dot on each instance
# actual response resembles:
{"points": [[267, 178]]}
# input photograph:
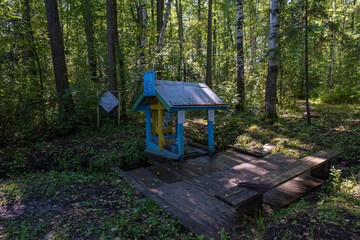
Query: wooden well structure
{"points": [[165, 103]]}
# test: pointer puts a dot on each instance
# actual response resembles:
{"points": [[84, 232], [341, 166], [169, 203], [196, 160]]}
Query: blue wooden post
{"points": [[180, 133], [210, 127], [148, 123]]}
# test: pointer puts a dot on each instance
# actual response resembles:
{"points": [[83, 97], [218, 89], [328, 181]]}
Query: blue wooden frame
{"points": [[153, 147], [210, 128]]}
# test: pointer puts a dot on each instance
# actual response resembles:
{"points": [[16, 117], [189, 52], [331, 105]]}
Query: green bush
{"points": [[129, 156], [340, 95]]}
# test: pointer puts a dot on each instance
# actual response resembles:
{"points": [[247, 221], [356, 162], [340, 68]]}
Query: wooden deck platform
{"points": [[187, 189]]}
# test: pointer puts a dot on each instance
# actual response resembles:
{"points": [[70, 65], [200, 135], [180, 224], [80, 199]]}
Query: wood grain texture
{"points": [[203, 192]]}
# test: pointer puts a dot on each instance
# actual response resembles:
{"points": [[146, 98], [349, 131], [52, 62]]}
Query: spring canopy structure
{"points": [[165, 103]]}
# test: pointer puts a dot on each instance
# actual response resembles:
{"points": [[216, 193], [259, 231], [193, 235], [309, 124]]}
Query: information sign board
{"points": [[109, 101]]}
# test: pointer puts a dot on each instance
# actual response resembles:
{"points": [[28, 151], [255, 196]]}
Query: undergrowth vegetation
{"points": [[88, 151], [63, 188]]}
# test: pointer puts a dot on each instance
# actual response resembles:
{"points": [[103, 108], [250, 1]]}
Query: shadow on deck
{"points": [[187, 189]]}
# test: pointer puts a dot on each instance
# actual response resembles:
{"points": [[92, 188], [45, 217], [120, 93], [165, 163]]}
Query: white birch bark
{"points": [[270, 94], [143, 20], [240, 55], [163, 29], [274, 30]]}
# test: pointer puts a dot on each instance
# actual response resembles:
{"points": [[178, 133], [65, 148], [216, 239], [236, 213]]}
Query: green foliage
{"points": [[340, 95], [348, 187]]}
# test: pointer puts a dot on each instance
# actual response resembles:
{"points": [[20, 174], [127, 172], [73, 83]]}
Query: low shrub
{"points": [[340, 95]]}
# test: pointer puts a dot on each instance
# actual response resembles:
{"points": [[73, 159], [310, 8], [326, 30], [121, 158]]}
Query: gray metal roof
{"points": [[184, 95], [187, 94]]}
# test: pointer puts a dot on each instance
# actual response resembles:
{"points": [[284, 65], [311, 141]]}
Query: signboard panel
{"points": [[149, 83], [109, 101]]}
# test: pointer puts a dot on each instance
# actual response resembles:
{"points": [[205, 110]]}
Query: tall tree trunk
{"points": [[198, 44], [90, 40], [240, 57], [162, 33], [112, 40], [159, 17], [332, 66], [353, 19], [308, 117], [254, 38], [142, 19], [208, 79], [152, 11], [181, 37], [270, 94], [214, 51], [57, 46], [32, 54], [27, 33]]}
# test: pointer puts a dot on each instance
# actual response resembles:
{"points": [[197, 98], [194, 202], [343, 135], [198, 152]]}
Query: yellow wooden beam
{"points": [[157, 106], [160, 130], [157, 118]]}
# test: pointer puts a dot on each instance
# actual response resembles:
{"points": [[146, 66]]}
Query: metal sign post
{"points": [[108, 101]]}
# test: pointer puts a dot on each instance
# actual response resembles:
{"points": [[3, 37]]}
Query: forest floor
{"points": [[63, 188]]}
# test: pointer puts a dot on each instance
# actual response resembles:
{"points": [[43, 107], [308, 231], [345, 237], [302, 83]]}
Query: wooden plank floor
{"points": [[187, 189]]}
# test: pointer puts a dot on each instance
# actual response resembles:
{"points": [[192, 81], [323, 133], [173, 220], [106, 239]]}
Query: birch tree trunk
{"points": [[240, 56], [270, 94], [254, 38], [181, 37], [208, 79], [214, 44], [112, 36], [198, 43], [142, 19], [163, 29]]}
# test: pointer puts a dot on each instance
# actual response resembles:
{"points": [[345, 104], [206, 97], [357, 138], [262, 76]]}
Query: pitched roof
{"points": [[182, 96]]}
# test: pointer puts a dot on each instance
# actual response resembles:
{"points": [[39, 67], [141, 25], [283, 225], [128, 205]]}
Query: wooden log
{"points": [[253, 208], [322, 171], [195, 144], [252, 153]]}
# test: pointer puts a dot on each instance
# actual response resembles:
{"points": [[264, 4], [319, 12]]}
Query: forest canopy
{"points": [[29, 94]]}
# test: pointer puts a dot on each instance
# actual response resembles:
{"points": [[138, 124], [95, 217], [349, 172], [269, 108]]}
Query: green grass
{"points": [[64, 205]]}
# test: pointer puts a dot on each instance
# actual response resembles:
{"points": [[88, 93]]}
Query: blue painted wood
{"points": [[153, 148], [210, 127], [166, 136], [148, 122], [150, 144], [180, 141], [149, 83], [163, 153]]}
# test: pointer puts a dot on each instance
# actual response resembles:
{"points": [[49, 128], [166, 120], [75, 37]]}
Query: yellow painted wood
{"points": [[157, 106], [153, 122], [160, 130], [157, 121]]}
